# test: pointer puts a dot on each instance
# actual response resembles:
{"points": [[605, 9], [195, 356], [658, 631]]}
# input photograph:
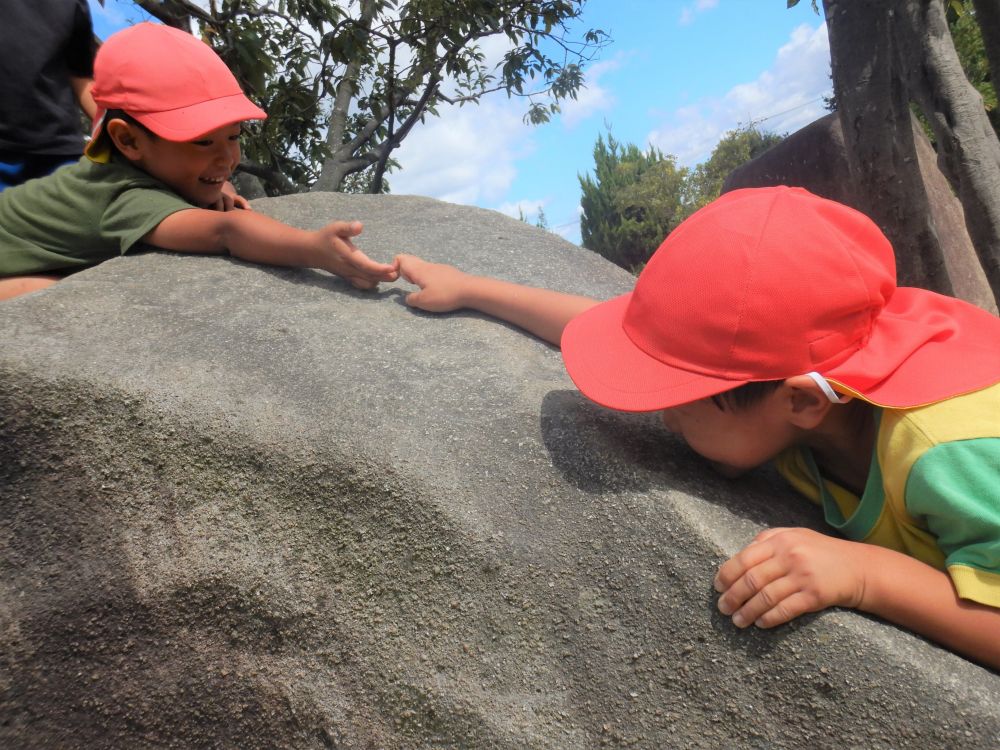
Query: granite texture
{"points": [[250, 507]]}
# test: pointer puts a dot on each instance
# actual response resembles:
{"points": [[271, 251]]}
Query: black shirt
{"points": [[42, 44]]}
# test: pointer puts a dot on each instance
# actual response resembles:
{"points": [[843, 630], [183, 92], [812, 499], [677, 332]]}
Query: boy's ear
{"points": [[807, 403], [124, 137]]}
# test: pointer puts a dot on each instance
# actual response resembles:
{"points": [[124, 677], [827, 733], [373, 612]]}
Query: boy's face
{"points": [[734, 440], [195, 170]]}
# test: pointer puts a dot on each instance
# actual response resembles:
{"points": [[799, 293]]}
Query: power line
{"points": [[785, 112]]}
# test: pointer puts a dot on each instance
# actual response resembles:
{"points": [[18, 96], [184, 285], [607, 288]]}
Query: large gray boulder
{"points": [[250, 507]]}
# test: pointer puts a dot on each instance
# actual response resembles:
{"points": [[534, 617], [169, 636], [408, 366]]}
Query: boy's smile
{"points": [[196, 170]]}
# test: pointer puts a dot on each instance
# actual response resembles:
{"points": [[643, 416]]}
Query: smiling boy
{"points": [[768, 326], [156, 171]]}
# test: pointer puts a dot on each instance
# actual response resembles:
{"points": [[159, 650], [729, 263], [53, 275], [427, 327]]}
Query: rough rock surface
{"points": [[250, 507]]}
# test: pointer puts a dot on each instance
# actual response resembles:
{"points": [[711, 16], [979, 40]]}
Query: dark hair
{"points": [[120, 114], [746, 395]]}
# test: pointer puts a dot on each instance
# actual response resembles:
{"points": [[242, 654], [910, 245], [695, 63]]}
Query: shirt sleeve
{"points": [[138, 211], [955, 489]]}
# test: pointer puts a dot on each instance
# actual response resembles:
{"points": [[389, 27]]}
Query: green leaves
{"points": [[793, 3], [392, 64], [636, 198], [633, 201]]}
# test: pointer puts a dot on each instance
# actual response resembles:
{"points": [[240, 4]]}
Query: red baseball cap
{"points": [[171, 82], [770, 283]]}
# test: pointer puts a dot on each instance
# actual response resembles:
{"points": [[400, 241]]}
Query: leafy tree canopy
{"points": [[632, 202], [635, 198], [345, 81], [736, 148]]}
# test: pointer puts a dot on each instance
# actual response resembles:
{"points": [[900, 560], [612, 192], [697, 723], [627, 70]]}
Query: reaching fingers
{"points": [[240, 202], [361, 265], [409, 267], [346, 228]]}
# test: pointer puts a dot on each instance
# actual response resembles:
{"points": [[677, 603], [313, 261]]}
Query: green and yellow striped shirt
{"points": [[933, 489]]}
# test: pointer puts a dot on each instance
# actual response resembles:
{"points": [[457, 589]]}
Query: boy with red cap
{"points": [[165, 142], [768, 326]]}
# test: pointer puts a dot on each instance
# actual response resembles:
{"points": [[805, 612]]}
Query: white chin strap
{"points": [[825, 387]]}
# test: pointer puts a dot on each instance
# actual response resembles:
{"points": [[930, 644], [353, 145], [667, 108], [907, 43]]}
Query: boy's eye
{"points": [[202, 143]]}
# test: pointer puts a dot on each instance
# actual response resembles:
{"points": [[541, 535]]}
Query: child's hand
{"points": [[341, 257], [230, 199], [440, 285], [785, 573]]}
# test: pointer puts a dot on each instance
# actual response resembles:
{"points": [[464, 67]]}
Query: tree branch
{"points": [[270, 176], [175, 13]]}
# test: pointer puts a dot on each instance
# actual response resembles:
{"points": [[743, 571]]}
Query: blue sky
{"points": [[677, 75]]}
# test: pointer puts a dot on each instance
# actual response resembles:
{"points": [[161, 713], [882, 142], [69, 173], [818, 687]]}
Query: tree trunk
{"points": [[874, 113], [968, 149], [337, 166]]}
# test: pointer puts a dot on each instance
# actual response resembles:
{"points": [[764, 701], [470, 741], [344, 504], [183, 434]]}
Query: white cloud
{"points": [[528, 209], [591, 98], [782, 99], [466, 155]]}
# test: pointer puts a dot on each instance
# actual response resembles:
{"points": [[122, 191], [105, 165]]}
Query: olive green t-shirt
{"points": [[80, 215]]}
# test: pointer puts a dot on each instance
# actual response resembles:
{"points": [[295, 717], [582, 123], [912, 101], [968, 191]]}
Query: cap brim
{"points": [[924, 347], [187, 123], [612, 371]]}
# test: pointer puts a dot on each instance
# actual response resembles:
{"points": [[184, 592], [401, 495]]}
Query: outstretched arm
{"points": [[444, 288], [784, 573], [257, 238]]}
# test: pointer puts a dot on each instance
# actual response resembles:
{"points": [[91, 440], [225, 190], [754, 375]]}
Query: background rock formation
{"points": [[817, 159], [251, 507]]}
